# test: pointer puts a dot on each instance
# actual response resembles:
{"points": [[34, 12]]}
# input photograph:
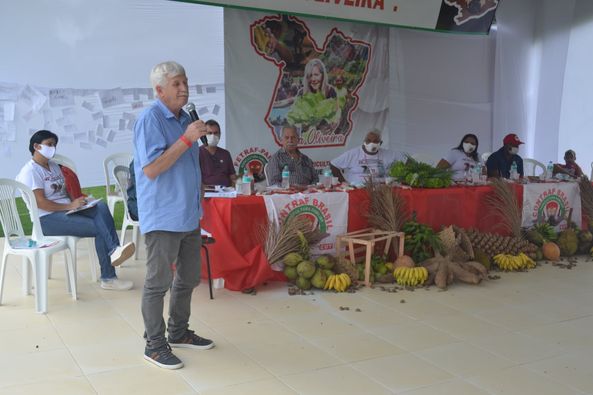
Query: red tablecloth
{"points": [[239, 259], [459, 205], [237, 255]]}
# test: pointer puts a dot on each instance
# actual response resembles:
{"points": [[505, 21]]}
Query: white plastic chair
{"points": [[121, 174], [531, 167], [73, 240], [114, 195], [267, 177], [485, 156], [38, 256]]}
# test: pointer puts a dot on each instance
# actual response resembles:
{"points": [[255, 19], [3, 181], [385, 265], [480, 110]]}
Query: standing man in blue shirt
{"points": [[168, 184], [499, 163]]}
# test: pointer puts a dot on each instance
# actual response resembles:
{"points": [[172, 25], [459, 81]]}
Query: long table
{"points": [[238, 257]]}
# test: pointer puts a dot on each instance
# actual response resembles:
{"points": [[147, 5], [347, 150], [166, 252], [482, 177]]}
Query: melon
{"points": [[551, 251]]}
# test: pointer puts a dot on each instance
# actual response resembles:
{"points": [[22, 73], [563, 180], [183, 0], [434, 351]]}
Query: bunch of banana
{"points": [[411, 276], [509, 263], [339, 282]]}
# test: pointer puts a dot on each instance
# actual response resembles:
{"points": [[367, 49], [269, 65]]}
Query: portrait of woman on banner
{"points": [[316, 104]]}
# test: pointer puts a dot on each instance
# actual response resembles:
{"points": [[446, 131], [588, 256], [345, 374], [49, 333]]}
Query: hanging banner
{"points": [[472, 16], [327, 212], [552, 203], [328, 79]]}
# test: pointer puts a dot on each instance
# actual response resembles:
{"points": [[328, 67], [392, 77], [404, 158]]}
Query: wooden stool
{"points": [[366, 239]]}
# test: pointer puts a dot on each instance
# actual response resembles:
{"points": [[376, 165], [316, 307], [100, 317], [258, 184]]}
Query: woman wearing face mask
{"points": [[463, 158], [46, 180], [216, 163]]}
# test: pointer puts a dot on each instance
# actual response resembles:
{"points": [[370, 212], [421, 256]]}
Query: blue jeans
{"points": [[94, 222]]}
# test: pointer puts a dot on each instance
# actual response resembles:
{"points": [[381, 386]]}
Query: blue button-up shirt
{"points": [[170, 202]]}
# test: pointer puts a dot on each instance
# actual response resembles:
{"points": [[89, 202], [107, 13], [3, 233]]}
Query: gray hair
{"points": [[160, 74], [289, 127]]}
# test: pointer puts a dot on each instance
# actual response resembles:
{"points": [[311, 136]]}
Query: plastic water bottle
{"points": [[550, 170], [285, 177], [327, 177], [514, 172], [247, 184], [477, 170]]}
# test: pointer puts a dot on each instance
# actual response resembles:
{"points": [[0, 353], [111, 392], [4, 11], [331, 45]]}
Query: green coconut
{"points": [[292, 259], [290, 272], [381, 269], [325, 261], [303, 283], [306, 269], [319, 279]]}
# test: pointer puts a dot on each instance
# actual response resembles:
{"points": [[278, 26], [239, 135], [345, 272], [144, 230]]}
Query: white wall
{"points": [[543, 82], [102, 45], [576, 119], [531, 76], [441, 89]]}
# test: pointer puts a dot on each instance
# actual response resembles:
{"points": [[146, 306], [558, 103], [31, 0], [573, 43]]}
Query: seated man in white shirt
{"points": [[357, 164]]}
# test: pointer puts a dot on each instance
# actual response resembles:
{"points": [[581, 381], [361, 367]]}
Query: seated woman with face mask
{"points": [[462, 158], [47, 181], [216, 163]]}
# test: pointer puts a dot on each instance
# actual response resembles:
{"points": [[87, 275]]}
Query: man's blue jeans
{"points": [[94, 222]]}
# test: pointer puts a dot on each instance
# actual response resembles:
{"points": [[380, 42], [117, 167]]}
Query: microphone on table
{"points": [[191, 109]]}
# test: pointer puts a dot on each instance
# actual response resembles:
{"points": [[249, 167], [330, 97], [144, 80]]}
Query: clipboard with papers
{"points": [[90, 204]]}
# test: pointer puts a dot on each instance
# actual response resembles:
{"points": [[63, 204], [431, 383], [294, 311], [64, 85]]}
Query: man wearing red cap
{"points": [[500, 162]]}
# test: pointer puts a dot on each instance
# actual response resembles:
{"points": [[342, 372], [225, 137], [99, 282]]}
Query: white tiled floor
{"points": [[527, 333]]}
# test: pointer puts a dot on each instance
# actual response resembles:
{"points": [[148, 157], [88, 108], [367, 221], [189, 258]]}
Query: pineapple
{"points": [[493, 244]]}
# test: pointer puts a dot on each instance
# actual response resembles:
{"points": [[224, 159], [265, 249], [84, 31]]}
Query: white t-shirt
{"points": [[357, 165], [51, 181], [460, 162]]}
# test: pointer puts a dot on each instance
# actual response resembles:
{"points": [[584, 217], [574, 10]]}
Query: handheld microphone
{"points": [[191, 110]]}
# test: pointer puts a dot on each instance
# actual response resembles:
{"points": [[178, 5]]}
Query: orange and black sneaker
{"points": [[163, 357], [191, 340]]}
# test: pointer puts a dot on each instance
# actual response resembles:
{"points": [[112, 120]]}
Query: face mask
{"points": [[47, 151], [213, 139], [468, 148], [514, 150], [371, 147]]}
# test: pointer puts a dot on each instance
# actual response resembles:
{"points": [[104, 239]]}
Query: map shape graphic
{"points": [[316, 89]]}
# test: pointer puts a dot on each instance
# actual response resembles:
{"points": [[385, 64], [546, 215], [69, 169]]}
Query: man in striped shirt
{"points": [[302, 171]]}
